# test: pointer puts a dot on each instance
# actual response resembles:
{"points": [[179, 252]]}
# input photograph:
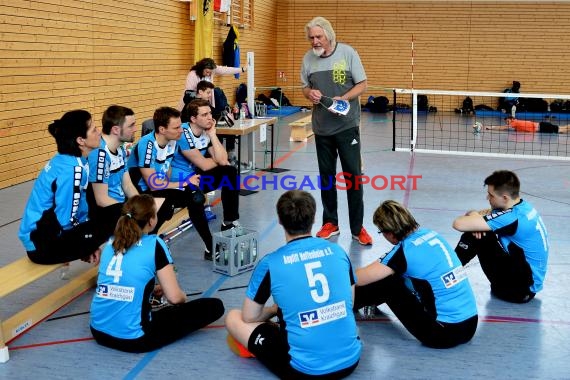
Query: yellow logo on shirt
{"points": [[339, 72]]}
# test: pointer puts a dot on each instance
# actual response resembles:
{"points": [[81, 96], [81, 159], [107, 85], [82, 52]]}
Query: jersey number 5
{"points": [[316, 278]]}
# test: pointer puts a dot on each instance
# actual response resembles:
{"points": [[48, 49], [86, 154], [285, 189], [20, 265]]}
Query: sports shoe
{"points": [[208, 255], [209, 213], [235, 224], [328, 230], [363, 237], [158, 303], [238, 348]]}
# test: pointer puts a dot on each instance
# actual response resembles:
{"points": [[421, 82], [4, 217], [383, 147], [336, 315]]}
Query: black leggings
{"points": [[508, 272], [174, 198], [411, 312], [106, 218], [55, 248], [167, 325]]}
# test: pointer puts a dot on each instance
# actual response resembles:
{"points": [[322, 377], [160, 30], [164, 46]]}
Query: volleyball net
{"points": [[442, 122]]}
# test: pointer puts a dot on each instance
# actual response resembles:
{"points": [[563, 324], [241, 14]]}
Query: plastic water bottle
{"points": [[235, 111], [253, 250], [243, 112]]}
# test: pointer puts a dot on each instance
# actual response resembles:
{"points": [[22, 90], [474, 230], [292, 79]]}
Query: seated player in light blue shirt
{"points": [[421, 279], [510, 240], [312, 282]]}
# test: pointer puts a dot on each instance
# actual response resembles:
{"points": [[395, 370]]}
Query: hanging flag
{"points": [[225, 5], [222, 6], [203, 36]]}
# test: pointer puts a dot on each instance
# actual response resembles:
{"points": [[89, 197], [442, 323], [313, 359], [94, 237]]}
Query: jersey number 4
{"points": [[114, 267]]}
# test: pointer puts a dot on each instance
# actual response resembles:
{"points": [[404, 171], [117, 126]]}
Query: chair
{"points": [[147, 127]]}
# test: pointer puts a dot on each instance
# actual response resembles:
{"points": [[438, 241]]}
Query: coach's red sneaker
{"points": [[238, 348], [328, 230], [363, 237]]}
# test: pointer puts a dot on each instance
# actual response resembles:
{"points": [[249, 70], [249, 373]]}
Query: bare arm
{"points": [[101, 193], [313, 95], [195, 157], [497, 127], [128, 186], [227, 70], [372, 272], [169, 283], [217, 150], [154, 182], [254, 312], [472, 221], [355, 91]]}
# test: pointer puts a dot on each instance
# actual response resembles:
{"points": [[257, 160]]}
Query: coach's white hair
{"points": [[325, 25]]}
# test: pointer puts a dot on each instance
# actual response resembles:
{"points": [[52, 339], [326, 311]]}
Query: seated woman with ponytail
{"points": [[121, 314], [55, 227]]}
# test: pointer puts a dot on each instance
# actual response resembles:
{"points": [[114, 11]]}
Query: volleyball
{"points": [[477, 127]]}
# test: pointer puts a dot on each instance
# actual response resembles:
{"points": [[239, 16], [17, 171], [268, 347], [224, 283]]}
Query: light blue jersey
{"points": [[61, 188], [522, 228], [121, 306], [311, 281], [148, 154], [435, 274], [109, 168], [182, 168]]}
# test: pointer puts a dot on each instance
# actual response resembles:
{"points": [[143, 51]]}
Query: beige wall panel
{"points": [[57, 55], [458, 45]]}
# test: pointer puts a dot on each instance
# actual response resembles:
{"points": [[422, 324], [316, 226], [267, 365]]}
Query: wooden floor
{"points": [[512, 341]]}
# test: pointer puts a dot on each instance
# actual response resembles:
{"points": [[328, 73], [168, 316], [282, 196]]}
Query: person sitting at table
{"points": [[205, 69]]}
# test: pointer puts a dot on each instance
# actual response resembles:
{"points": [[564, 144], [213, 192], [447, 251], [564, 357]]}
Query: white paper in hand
{"points": [[337, 106], [340, 106]]}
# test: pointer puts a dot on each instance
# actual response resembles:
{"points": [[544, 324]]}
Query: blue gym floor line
{"points": [[132, 374]]}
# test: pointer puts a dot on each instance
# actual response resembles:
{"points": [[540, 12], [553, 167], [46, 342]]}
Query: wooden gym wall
{"points": [[459, 45], [59, 55]]}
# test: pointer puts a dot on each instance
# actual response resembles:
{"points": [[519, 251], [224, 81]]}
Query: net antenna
{"points": [[414, 104]]}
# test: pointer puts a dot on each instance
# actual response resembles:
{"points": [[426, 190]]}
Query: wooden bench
{"points": [[22, 272], [301, 129]]}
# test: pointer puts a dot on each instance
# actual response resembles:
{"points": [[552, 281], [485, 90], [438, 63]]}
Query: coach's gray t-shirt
{"points": [[333, 76]]}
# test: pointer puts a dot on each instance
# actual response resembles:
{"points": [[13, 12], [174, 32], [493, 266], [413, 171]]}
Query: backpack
{"points": [[467, 105], [378, 104], [241, 94], [557, 106], [532, 105], [423, 104], [221, 102], [278, 95], [264, 99]]}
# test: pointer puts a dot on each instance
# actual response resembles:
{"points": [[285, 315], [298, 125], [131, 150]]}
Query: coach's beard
{"points": [[318, 51]]}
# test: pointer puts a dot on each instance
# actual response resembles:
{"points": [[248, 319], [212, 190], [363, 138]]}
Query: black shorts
{"points": [[546, 127], [271, 348]]}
